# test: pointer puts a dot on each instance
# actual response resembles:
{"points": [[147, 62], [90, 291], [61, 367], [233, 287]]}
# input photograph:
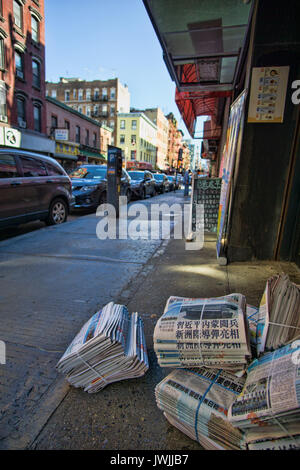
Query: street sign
{"points": [[10, 137]]}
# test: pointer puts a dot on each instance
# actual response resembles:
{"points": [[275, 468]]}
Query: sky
{"points": [[102, 39]]}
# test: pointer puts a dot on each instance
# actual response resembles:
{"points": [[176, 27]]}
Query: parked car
{"points": [[89, 186], [32, 187], [162, 183], [172, 182], [142, 184]]}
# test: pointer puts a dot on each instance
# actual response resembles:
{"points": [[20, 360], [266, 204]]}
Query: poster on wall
{"points": [[229, 156], [268, 93]]}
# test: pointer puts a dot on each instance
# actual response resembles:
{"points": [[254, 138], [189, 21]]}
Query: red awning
{"points": [[193, 104]]}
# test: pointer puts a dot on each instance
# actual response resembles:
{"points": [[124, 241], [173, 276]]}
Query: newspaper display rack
{"points": [[110, 347]]}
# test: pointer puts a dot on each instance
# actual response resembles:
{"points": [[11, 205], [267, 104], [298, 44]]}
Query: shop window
{"points": [[21, 111]]}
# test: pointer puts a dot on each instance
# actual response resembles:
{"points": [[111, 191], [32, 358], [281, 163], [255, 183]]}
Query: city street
{"points": [[63, 274]]}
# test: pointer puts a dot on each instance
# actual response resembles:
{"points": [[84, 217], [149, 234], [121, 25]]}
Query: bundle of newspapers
{"points": [[269, 406], [279, 314], [211, 332], [196, 401], [109, 347]]}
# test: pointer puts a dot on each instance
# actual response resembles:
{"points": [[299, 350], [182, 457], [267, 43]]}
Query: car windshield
{"points": [[136, 175], [89, 172], [159, 177]]}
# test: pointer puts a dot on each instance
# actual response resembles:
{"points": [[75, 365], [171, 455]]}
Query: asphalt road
{"points": [[52, 280]]}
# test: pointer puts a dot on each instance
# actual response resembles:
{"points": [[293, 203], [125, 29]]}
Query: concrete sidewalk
{"points": [[124, 415]]}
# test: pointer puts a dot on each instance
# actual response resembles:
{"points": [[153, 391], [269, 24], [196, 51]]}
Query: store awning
{"points": [[202, 42], [95, 156]]}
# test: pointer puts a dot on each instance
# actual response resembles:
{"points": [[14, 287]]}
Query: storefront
{"points": [[66, 153]]}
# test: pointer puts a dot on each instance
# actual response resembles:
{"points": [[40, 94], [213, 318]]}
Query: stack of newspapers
{"points": [[269, 407], [211, 332], [279, 314], [196, 401], [110, 347]]}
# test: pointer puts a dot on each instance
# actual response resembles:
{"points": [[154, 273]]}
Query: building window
{"points": [[133, 139], [37, 118], [112, 109], [95, 110], [53, 93], [87, 137], [36, 74], [19, 60], [122, 139], [80, 95], [95, 140], [21, 111], [112, 93], [74, 94], [18, 14], [96, 93], [104, 110], [67, 95], [88, 94], [88, 111], [122, 124], [54, 122], [80, 109], [77, 135], [67, 124], [133, 154], [112, 124], [104, 93], [2, 55], [35, 29], [133, 124]]}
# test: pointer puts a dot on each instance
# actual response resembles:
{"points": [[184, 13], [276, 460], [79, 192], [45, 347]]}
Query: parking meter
{"points": [[114, 174]]}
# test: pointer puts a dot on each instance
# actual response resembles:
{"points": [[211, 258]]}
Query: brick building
{"points": [[22, 74], [77, 137], [99, 99]]}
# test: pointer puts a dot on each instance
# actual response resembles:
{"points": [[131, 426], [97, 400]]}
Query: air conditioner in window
{"points": [[3, 118], [22, 123]]}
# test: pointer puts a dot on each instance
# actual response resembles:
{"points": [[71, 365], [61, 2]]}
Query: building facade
{"points": [[137, 137], [101, 100], [22, 74], [76, 137]]}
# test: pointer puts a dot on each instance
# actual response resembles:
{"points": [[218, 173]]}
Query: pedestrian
{"points": [[186, 181]]}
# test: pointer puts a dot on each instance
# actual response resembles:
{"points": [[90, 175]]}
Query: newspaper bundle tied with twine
{"points": [[211, 332], [269, 406], [196, 401], [109, 347], [279, 314]]}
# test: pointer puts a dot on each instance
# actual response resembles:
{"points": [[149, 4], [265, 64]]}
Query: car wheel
{"points": [[58, 212], [103, 198]]}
